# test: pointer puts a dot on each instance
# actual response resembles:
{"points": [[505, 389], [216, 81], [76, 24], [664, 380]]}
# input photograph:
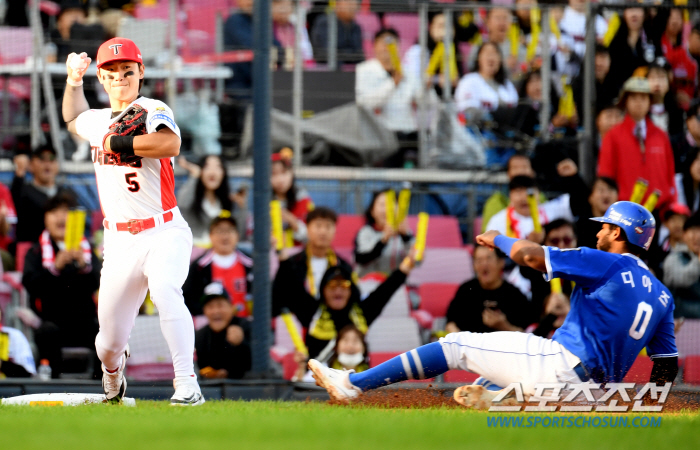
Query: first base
{"points": [[61, 400]]}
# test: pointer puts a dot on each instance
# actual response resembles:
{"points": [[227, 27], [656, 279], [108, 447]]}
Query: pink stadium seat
{"points": [[640, 372], [150, 372], [15, 44], [691, 372], [369, 23], [459, 376], [346, 229], [376, 358], [476, 227], [407, 26], [443, 231], [443, 265], [96, 219], [159, 10], [22, 249], [436, 297]]}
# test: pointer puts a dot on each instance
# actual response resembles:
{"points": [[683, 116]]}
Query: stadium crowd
{"points": [[647, 150]]}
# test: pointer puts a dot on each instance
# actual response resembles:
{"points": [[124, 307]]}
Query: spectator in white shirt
{"points": [[390, 94], [516, 220], [487, 88], [573, 37]]}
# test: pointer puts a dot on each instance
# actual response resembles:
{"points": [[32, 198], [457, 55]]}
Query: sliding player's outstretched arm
{"points": [[74, 102], [663, 351], [522, 252]]}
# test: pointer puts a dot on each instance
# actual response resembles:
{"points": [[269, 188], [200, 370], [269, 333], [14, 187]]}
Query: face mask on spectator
{"points": [[350, 359]]}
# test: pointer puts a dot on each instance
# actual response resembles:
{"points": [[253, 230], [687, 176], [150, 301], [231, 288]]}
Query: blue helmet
{"points": [[638, 223]]}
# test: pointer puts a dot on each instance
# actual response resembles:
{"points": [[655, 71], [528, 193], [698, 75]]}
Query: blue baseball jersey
{"points": [[618, 307]]}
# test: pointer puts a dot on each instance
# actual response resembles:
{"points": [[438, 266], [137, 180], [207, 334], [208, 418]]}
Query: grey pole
{"points": [[545, 111], [332, 39], [171, 88], [585, 151], [447, 42], [262, 191], [298, 83], [35, 99], [423, 156], [219, 48]]}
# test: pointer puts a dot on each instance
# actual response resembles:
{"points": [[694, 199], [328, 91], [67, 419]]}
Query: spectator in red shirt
{"points": [[636, 148], [8, 219], [222, 264]]}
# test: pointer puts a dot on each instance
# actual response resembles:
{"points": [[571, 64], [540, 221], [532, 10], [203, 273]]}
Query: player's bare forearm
{"points": [[161, 144], [527, 253], [74, 104], [522, 251]]}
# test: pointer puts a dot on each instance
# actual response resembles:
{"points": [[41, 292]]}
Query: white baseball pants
{"points": [[506, 357], [157, 259]]}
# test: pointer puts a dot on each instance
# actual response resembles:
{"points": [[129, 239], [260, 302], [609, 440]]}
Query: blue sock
{"points": [[487, 384], [423, 362]]}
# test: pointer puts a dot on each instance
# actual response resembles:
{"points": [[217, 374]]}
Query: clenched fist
{"points": [[76, 66]]}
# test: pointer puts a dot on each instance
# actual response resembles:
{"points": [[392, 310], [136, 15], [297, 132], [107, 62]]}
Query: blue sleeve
{"points": [[663, 343], [584, 266]]}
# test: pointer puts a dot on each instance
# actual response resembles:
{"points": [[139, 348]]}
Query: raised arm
{"points": [[521, 251], [74, 101]]}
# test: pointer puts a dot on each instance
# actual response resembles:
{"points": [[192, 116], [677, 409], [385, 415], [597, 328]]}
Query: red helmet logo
{"points": [[638, 230]]}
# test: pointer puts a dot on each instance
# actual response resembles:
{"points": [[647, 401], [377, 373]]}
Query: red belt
{"points": [[138, 225]]}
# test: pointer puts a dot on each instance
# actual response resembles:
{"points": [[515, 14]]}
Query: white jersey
{"points": [[138, 191], [14, 347], [475, 92]]}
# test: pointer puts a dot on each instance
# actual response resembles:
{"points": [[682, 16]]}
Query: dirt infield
{"points": [[442, 397]]}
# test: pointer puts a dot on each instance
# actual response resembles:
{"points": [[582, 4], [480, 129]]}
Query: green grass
{"points": [[296, 425]]}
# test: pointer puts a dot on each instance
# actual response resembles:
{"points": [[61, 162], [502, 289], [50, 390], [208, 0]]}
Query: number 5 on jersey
{"points": [[134, 185]]}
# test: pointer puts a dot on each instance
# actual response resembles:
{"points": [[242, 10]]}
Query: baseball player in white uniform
{"points": [[147, 242]]}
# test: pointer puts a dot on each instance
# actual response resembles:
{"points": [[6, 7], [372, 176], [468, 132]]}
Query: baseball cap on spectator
{"points": [[39, 152], [224, 216], [214, 291], [638, 85], [677, 209], [118, 49]]}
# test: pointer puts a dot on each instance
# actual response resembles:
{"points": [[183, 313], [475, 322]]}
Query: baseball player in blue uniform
{"points": [[618, 308]]}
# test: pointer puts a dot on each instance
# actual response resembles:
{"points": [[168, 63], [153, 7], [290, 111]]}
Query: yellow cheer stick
{"points": [[555, 286], [404, 203], [534, 212], [393, 53], [534, 35], [554, 27], [276, 219], [652, 200], [75, 228], [421, 235], [294, 332], [613, 26], [514, 38], [391, 208], [640, 188], [453, 63], [435, 59], [567, 106]]}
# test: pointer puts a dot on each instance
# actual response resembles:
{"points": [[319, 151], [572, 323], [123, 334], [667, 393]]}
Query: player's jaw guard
{"points": [[638, 223]]}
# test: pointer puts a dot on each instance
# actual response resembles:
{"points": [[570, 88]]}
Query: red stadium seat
{"points": [[345, 231], [443, 231], [459, 376], [640, 372], [691, 372], [376, 358], [436, 297], [476, 227]]}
